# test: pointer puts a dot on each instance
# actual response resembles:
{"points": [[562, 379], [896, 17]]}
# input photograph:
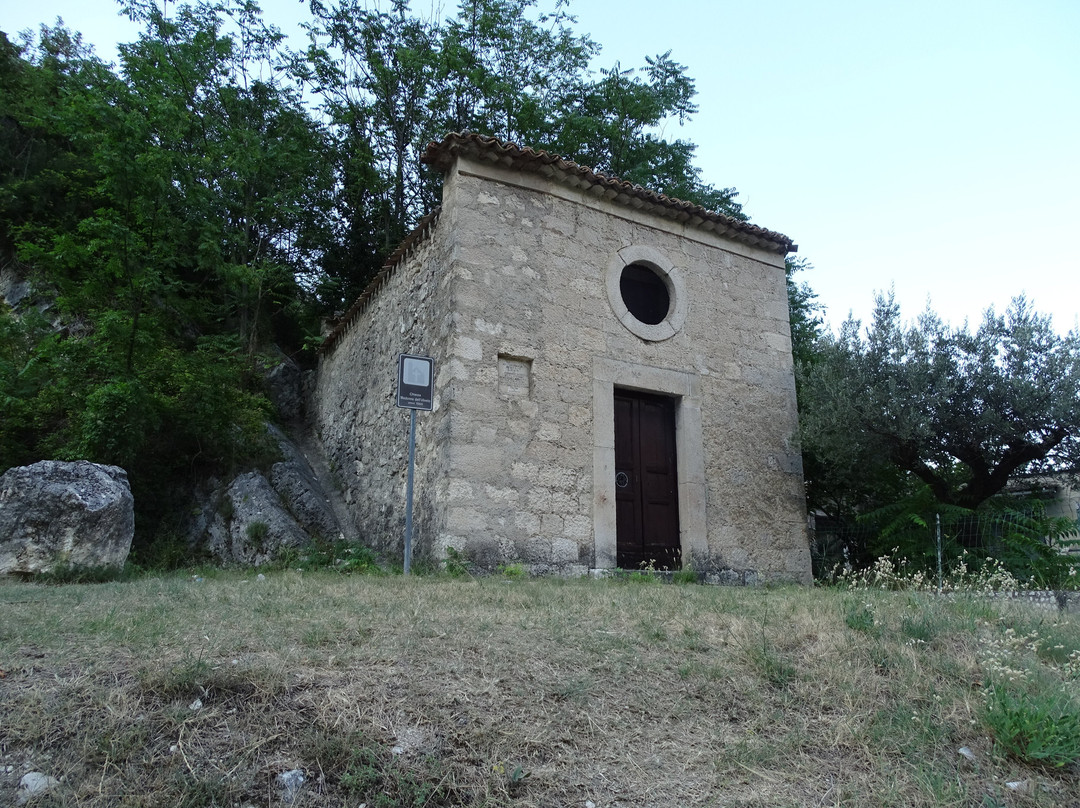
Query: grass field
{"points": [[434, 691]]}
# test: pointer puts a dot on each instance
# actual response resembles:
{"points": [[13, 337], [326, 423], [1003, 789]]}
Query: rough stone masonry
{"points": [[518, 287]]}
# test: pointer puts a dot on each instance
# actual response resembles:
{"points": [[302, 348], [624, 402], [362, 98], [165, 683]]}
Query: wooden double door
{"points": [[646, 486]]}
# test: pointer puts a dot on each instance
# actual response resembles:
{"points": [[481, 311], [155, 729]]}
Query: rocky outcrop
{"points": [[299, 487], [256, 517], [285, 387], [252, 524], [13, 287], [53, 513]]}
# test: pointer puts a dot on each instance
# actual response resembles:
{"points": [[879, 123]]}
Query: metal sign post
{"points": [[415, 391], [408, 490]]}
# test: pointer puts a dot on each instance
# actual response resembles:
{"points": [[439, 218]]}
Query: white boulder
{"points": [[56, 513]]}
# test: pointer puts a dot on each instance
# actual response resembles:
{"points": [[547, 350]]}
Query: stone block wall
{"points": [[533, 317], [519, 393], [515, 295], [363, 433]]}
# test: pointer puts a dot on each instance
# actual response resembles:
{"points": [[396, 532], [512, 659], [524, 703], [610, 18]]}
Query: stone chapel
{"points": [[613, 379]]}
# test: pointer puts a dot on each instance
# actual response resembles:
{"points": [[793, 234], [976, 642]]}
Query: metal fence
{"points": [[1019, 535]]}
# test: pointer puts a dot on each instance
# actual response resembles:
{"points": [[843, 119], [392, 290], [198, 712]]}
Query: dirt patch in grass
{"points": [[440, 692]]}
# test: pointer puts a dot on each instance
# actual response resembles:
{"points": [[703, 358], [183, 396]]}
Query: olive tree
{"points": [[962, 411]]}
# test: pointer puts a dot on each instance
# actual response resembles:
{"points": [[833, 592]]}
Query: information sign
{"points": [[416, 382], [415, 391]]}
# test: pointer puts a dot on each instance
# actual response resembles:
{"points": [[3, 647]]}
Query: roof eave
{"points": [[442, 155]]}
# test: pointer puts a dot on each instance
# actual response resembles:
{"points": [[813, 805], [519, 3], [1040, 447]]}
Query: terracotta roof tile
{"points": [[441, 155]]}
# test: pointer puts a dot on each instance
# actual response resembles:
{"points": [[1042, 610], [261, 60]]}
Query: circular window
{"points": [[644, 293]]}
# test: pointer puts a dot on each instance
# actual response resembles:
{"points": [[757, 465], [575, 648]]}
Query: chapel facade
{"points": [[613, 379]]}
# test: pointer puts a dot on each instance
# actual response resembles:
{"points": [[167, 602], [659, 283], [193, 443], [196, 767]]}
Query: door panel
{"points": [[646, 488]]}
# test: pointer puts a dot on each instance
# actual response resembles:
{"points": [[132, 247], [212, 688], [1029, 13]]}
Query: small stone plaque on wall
{"points": [[514, 376]]}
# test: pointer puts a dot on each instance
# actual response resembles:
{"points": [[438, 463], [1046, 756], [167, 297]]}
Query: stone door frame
{"points": [[689, 452]]}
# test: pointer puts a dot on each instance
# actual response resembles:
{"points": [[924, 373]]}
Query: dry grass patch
{"points": [[439, 692]]}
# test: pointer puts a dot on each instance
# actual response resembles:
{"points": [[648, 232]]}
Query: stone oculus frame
{"points": [[514, 288], [672, 279]]}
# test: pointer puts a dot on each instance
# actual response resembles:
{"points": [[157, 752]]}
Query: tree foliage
{"points": [[906, 425], [805, 315], [214, 194], [615, 124], [182, 208], [390, 83], [961, 411]]}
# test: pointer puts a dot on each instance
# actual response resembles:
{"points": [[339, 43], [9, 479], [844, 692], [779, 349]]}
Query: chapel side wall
{"points": [[530, 294], [363, 433], [756, 503]]}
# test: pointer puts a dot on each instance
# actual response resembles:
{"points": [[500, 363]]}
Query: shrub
{"points": [[859, 616], [513, 571], [457, 565], [257, 533], [1013, 533], [687, 575], [1041, 727]]}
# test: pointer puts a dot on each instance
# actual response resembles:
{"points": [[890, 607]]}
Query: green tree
{"points": [[390, 82], [233, 158], [44, 179], [169, 214], [804, 313], [614, 125], [372, 73], [506, 71], [962, 412]]}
